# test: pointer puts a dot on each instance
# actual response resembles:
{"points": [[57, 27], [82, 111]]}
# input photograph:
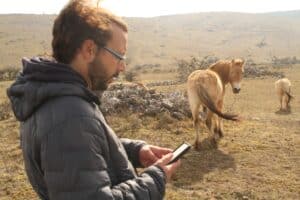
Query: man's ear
{"points": [[88, 50]]}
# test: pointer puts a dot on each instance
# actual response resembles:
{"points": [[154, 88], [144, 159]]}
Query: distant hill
{"points": [[159, 40]]}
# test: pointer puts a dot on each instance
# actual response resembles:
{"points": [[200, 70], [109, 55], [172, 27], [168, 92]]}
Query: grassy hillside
{"points": [[160, 40], [23, 35], [222, 34]]}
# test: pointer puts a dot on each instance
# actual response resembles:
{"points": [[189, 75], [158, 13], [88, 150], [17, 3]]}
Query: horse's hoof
{"points": [[221, 134], [197, 145], [217, 136], [202, 116], [214, 143]]}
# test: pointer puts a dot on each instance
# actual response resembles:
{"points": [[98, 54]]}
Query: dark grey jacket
{"points": [[69, 150]]}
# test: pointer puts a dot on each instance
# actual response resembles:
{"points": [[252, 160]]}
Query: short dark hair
{"points": [[78, 21]]}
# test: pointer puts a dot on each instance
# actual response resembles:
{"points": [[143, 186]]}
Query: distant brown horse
{"points": [[283, 89], [206, 90]]}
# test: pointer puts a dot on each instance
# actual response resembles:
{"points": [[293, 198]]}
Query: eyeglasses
{"points": [[115, 54]]}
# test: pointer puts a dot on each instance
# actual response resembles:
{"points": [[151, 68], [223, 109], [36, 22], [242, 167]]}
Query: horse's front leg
{"points": [[220, 121]]}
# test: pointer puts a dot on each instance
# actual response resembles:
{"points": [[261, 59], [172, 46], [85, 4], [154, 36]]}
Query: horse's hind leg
{"points": [[197, 130], [196, 122], [281, 102], [216, 126], [285, 102], [214, 130], [288, 103], [218, 132], [195, 106], [203, 114], [218, 129], [211, 123], [220, 121], [208, 120]]}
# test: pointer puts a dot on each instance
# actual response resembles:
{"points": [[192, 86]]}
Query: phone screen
{"points": [[178, 152]]}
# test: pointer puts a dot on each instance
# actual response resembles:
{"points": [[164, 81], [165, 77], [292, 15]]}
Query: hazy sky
{"points": [[149, 8]]}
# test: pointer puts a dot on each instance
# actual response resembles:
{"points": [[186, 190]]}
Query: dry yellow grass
{"points": [[258, 158]]}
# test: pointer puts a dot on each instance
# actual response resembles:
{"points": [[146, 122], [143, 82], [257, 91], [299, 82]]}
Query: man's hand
{"points": [[169, 169], [149, 154]]}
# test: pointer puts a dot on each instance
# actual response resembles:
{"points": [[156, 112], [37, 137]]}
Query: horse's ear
{"points": [[233, 61], [242, 65], [243, 62]]}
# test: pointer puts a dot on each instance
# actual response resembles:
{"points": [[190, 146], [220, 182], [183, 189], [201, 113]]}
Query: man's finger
{"points": [[152, 158], [159, 152], [166, 158]]}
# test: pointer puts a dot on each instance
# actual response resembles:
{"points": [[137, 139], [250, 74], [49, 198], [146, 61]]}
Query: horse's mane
{"points": [[222, 69]]}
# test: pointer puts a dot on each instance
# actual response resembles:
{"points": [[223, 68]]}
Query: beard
{"points": [[98, 75]]}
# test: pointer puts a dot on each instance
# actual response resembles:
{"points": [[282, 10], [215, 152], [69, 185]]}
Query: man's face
{"points": [[108, 63]]}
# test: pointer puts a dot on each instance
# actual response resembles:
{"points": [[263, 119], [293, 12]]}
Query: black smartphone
{"points": [[180, 151]]}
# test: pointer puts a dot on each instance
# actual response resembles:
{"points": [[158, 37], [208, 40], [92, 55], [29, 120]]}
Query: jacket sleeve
{"points": [[132, 148], [73, 160]]}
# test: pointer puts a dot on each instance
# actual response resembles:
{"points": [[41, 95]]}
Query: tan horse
{"points": [[283, 89], [206, 90]]}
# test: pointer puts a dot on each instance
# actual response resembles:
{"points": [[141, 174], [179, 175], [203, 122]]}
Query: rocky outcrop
{"points": [[133, 97]]}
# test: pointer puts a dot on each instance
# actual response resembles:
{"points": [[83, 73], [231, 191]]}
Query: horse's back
{"points": [[221, 63], [205, 79], [283, 85]]}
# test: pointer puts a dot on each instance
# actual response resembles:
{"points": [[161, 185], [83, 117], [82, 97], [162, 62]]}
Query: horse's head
{"points": [[236, 74]]}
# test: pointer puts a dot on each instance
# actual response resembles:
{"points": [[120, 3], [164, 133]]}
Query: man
{"points": [[69, 150]]}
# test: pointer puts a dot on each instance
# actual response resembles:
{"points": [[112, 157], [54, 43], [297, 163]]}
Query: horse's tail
{"points": [[207, 101]]}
